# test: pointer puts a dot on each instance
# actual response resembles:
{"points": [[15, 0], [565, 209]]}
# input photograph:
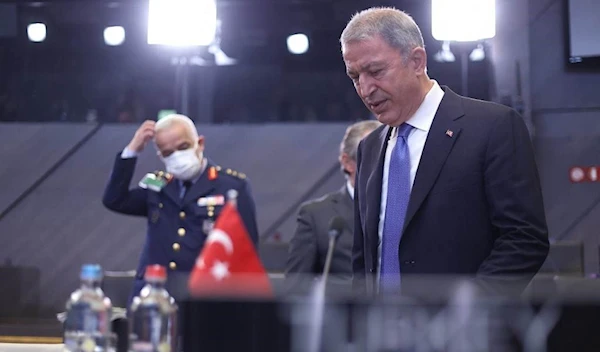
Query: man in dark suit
{"points": [[449, 185], [182, 203], [309, 245]]}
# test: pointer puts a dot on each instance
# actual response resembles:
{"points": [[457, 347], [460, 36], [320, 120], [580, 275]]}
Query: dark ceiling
{"points": [[252, 30]]}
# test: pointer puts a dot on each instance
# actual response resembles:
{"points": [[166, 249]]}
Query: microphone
{"points": [[336, 227], [317, 297]]}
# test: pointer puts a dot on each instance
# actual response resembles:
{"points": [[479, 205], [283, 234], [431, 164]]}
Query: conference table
{"points": [[462, 317], [33, 347]]}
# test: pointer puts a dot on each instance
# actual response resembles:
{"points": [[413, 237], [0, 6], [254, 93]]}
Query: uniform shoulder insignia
{"points": [[213, 172], [163, 175], [155, 181], [234, 173]]}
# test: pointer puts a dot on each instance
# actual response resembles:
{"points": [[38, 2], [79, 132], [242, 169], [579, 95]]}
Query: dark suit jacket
{"points": [[308, 247], [177, 228], [476, 204]]}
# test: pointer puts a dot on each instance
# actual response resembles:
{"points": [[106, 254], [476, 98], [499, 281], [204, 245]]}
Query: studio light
{"points": [[36, 32], [114, 35], [463, 20], [297, 43], [478, 54], [182, 22]]}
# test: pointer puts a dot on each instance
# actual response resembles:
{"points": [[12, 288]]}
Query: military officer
{"points": [[181, 203]]}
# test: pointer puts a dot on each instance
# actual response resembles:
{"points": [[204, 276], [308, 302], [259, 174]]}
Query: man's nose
{"points": [[366, 87]]}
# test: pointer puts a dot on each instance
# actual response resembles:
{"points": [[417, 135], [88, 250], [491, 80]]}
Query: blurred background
{"points": [[78, 74], [269, 92]]}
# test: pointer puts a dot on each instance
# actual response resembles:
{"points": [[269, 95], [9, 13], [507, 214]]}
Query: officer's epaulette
{"points": [[163, 175], [214, 170]]}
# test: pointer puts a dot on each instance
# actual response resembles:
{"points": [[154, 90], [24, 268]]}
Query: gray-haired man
{"points": [[308, 247]]}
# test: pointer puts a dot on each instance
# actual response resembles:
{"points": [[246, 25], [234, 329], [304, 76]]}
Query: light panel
{"points": [[182, 22], [463, 20]]}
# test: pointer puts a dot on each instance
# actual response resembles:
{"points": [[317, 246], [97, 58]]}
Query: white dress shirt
{"points": [[128, 154], [421, 122], [350, 188]]}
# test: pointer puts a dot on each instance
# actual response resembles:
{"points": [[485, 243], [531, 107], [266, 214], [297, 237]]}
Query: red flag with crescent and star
{"points": [[228, 264]]}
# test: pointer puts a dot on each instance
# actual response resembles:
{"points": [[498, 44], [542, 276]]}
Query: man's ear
{"points": [[418, 60], [347, 162], [343, 158]]}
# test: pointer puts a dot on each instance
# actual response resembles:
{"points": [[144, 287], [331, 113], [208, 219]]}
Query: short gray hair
{"points": [[354, 134], [395, 27], [172, 119]]}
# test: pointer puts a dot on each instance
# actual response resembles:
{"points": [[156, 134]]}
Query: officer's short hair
{"points": [[171, 119], [354, 134]]}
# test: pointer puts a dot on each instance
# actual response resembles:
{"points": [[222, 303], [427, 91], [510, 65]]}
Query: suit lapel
{"points": [[342, 204], [374, 189], [442, 135], [172, 191]]}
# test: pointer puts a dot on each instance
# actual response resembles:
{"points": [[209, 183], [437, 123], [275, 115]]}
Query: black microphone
{"points": [[336, 227]]}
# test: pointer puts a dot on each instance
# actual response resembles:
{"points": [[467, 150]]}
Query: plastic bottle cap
{"points": [[91, 272], [156, 272]]}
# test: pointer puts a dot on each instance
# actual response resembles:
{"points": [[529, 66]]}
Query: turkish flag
{"points": [[228, 264]]}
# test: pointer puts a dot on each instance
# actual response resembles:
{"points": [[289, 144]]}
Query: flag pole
{"points": [[232, 195]]}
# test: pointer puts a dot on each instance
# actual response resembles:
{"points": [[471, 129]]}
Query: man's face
{"points": [[176, 137], [349, 164], [387, 84]]}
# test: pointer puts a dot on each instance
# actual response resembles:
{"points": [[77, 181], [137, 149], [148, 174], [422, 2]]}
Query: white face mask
{"points": [[184, 164]]}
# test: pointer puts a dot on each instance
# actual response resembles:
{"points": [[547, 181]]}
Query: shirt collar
{"points": [[423, 117], [202, 169], [350, 189]]}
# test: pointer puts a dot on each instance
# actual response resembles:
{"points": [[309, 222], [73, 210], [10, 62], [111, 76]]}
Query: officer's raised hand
{"points": [[142, 136]]}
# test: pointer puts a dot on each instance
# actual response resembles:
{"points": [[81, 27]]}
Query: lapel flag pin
{"points": [[449, 133]]}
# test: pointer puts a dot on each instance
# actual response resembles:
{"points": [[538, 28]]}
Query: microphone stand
{"points": [[332, 242], [317, 297]]}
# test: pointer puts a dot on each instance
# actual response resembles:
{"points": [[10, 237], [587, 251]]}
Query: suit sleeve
{"points": [[117, 195], [358, 249], [247, 210], [514, 197], [302, 256]]}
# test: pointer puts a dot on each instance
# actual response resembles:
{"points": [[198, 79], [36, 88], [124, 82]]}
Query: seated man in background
{"points": [[182, 203], [308, 247]]}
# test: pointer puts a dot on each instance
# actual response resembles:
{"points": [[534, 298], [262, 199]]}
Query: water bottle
{"points": [[87, 327], [153, 315]]}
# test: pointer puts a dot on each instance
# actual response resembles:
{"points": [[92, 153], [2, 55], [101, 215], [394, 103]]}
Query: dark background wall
{"points": [[565, 106]]}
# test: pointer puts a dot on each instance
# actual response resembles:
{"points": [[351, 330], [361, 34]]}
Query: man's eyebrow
{"points": [[366, 67], [372, 64]]}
